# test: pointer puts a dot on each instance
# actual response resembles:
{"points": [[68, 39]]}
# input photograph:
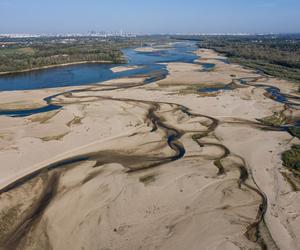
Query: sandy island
{"points": [[155, 48], [124, 68], [128, 165]]}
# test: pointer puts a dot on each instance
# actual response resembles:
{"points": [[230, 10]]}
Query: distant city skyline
{"points": [[149, 17]]}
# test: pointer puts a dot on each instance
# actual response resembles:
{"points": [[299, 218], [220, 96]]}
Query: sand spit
{"points": [[149, 49], [156, 47], [129, 165], [123, 68]]}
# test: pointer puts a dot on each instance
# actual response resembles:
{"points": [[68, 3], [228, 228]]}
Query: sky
{"points": [[150, 16]]}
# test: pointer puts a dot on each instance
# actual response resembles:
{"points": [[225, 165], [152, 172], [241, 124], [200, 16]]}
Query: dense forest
{"points": [[26, 54], [277, 55]]}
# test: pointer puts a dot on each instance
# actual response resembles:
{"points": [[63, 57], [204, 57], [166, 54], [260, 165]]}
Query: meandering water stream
{"points": [[84, 74], [150, 62]]}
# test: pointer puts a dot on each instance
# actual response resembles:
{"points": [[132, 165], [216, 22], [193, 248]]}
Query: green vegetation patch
{"points": [[54, 138], [277, 119], [27, 55], [22, 54], [17, 51], [277, 55], [201, 89], [294, 131], [291, 158], [268, 68], [147, 179]]}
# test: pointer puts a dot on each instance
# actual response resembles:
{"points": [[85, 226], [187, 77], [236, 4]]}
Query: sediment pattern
{"points": [[169, 182], [156, 119]]}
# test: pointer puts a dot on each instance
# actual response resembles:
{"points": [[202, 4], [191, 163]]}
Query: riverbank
{"points": [[54, 66], [127, 164], [277, 56]]}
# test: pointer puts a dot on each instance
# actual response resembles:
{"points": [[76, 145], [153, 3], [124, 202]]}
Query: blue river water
{"points": [[83, 74]]}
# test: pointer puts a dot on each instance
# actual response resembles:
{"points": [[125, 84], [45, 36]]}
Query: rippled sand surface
{"points": [[128, 164]]}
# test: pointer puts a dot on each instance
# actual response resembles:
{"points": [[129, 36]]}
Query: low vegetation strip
{"points": [[291, 158], [277, 55]]}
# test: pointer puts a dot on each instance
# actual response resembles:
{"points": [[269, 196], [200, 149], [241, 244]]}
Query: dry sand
{"points": [[123, 68], [109, 172], [148, 49]]}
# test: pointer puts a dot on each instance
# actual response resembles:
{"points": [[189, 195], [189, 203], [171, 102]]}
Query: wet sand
{"points": [[132, 165]]}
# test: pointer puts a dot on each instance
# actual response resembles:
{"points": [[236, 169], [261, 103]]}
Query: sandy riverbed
{"points": [[156, 166]]}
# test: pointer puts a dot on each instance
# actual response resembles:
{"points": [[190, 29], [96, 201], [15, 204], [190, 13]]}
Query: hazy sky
{"points": [[149, 16]]}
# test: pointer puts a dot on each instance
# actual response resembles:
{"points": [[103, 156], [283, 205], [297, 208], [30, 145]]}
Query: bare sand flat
{"points": [[123, 68], [166, 165], [149, 49]]}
